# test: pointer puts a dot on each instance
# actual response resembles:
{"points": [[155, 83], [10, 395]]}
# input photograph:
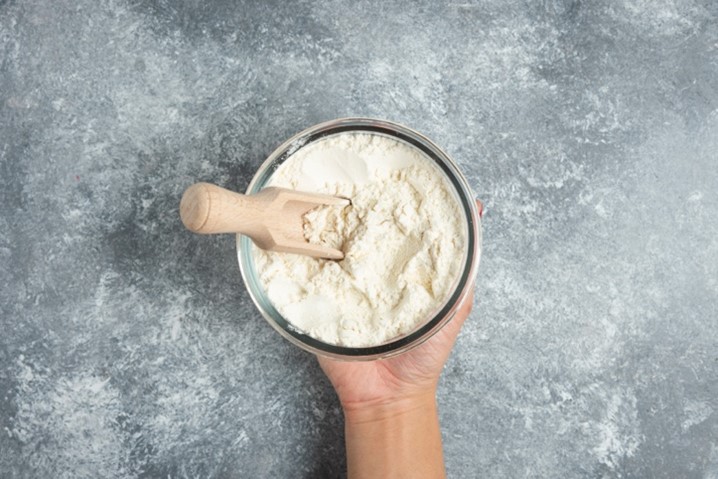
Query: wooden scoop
{"points": [[272, 217]]}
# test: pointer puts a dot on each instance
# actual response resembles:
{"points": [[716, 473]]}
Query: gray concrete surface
{"points": [[130, 348]]}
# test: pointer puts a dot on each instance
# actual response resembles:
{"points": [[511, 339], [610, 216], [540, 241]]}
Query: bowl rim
{"points": [[440, 316]]}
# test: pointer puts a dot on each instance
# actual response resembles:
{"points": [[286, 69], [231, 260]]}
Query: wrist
{"points": [[397, 437], [391, 408]]}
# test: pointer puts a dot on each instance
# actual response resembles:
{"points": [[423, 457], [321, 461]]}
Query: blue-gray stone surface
{"points": [[130, 348]]}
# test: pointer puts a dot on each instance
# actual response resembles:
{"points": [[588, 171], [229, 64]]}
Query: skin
{"points": [[390, 411], [391, 417]]}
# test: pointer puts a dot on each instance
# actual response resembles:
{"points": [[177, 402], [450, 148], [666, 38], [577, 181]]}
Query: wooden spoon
{"points": [[272, 217]]}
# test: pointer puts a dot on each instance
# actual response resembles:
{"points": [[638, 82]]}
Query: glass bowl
{"points": [[440, 316]]}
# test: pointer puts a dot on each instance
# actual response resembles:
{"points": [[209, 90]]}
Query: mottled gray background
{"points": [[130, 348]]}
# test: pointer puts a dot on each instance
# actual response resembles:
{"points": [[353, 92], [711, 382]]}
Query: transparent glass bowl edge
{"points": [[423, 333]]}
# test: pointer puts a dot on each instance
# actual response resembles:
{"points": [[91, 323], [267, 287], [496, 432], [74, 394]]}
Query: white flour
{"points": [[403, 237]]}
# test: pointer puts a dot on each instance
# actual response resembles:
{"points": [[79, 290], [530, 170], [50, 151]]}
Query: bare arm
{"points": [[398, 439]]}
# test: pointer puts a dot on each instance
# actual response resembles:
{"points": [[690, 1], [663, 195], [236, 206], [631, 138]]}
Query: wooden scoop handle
{"points": [[210, 209], [272, 217]]}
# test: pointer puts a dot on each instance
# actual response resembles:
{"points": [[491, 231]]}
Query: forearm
{"points": [[395, 439]]}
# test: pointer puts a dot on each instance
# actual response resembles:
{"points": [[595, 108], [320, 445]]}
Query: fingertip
{"points": [[480, 207]]}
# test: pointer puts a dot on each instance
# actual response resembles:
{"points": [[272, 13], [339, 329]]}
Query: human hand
{"points": [[391, 420], [412, 374]]}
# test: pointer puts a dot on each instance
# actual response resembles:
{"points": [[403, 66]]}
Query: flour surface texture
{"points": [[403, 236]]}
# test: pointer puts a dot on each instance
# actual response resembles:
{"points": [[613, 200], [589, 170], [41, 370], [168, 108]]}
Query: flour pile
{"points": [[403, 236]]}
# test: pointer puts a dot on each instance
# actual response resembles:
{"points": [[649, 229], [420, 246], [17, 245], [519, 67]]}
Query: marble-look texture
{"points": [[130, 348]]}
